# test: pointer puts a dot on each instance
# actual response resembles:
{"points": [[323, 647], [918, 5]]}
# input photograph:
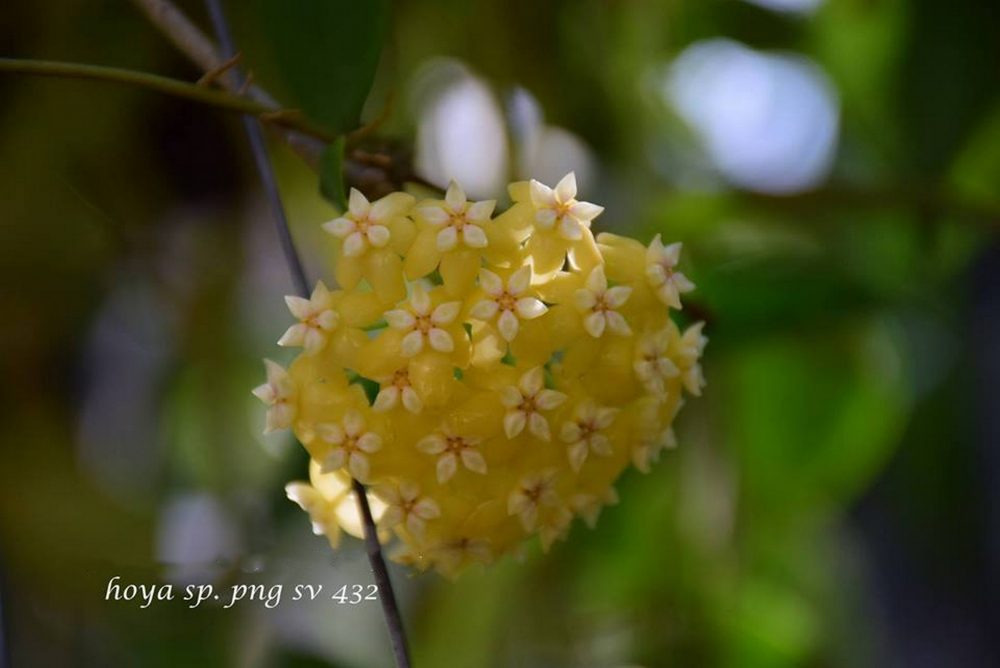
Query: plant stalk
{"points": [[255, 135]]}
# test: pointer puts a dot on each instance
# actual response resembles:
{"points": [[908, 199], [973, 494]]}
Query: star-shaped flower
{"points": [[408, 507], [557, 208], [460, 221], [511, 301], [317, 318], [647, 450], [554, 525], [661, 272], [421, 323], [584, 433], [450, 448], [532, 492], [525, 402], [279, 393], [452, 554], [589, 506], [599, 305], [652, 364], [364, 225], [396, 389], [690, 348], [351, 442]]}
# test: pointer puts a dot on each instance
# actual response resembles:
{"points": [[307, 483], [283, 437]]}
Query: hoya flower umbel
{"points": [[509, 303], [487, 375], [424, 323]]}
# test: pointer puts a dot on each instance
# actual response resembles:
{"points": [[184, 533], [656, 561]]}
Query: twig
{"points": [[199, 49], [161, 84], [212, 76], [390, 609]]}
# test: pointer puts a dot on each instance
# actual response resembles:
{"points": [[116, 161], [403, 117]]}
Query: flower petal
{"points": [[447, 239], [378, 235], [411, 400], [484, 310], [412, 344], [447, 464], [294, 335], [400, 319], [358, 204], [519, 281], [340, 227], [474, 237], [480, 212], [541, 194], [532, 382], [529, 308], [434, 215], [354, 244], [440, 340], [370, 442], [433, 444], [454, 197], [473, 460], [616, 323], [565, 190], [446, 313], [508, 325], [334, 460], [585, 211], [546, 400], [617, 296], [513, 423], [539, 426], [386, 399], [594, 324]]}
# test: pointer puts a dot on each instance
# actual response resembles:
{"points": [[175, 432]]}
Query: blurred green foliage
{"points": [[837, 319]]}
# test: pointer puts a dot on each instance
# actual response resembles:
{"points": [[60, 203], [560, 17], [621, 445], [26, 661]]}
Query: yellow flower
{"points": [[374, 236], [454, 233], [421, 323], [406, 506], [489, 378], [599, 305], [279, 393], [350, 444], [585, 432], [534, 491], [511, 301], [450, 449], [557, 208], [525, 403], [331, 504]]}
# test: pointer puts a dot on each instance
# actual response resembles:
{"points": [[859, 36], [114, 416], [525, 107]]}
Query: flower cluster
{"points": [[487, 377]]}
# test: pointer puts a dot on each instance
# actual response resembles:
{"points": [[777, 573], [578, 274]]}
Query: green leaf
{"points": [[326, 52], [331, 173]]}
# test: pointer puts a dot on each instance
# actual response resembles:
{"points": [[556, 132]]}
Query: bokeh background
{"points": [[833, 169]]}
